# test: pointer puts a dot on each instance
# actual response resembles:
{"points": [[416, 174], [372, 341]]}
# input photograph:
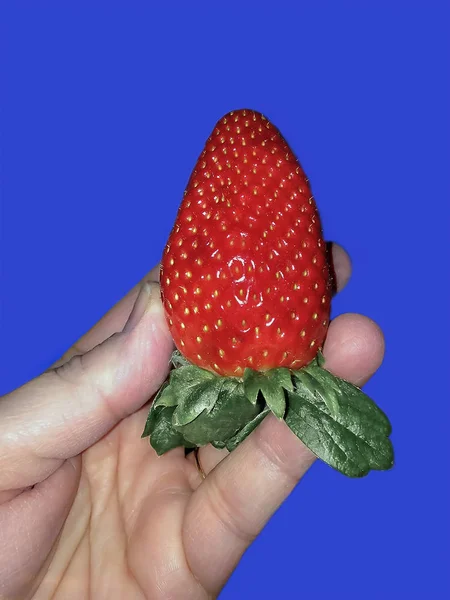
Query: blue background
{"points": [[105, 108]]}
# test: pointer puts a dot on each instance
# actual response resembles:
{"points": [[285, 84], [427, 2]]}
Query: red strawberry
{"points": [[246, 290], [244, 277]]}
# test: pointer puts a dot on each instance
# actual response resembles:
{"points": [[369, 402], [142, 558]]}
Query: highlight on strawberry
{"points": [[246, 289]]}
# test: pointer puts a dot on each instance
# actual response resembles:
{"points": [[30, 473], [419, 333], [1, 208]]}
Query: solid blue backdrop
{"points": [[105, 108]]}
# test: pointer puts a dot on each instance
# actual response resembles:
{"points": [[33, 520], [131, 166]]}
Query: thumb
{"points": [[67, 409]]}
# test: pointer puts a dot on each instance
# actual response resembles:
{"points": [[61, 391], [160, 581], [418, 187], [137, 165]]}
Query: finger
{"points": [[238, 497], [30, 525], [64, 411], [112, 322], [155, 545], [341, 266], [207, 459]]}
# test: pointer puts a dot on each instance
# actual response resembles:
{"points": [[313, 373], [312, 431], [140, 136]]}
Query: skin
{"points": [[106, 517]]}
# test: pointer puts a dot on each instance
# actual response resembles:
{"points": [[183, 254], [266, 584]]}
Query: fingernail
{"points": [[143, 302]]}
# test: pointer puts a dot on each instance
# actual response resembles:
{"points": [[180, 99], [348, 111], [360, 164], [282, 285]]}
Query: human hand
{"points": [[87, 509]]}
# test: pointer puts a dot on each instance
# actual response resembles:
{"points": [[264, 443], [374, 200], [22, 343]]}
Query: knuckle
{"points": [[71, 371], [229, 511], [77, 373]]}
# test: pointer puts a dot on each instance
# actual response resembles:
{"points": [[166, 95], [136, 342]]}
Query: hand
{"points": [[87, 509]]}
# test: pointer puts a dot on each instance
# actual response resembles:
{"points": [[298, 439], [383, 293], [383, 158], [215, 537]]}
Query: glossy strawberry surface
{"points": [[244, 275]]}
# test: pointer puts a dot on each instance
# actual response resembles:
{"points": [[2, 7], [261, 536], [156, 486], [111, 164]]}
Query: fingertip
{"points": [[155, 306], [158, 320], [150, 343], [141, 304], [148, 315], [341, 265], [153, 275], [354, 348]]}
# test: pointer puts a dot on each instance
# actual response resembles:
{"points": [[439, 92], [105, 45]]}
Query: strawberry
{"points": [[244, 276], [246, 290]]}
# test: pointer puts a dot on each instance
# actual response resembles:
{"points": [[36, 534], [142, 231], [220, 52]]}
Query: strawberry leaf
{"points": [[229, 414], [252, 384], [186, 386], [151, 419], [352, 438], [165, 397], [282, 378], [219, 445], [271, 384], [313, 385], [319, 359], [240, 436], [201, 397], [334, 418], [163, 435], [150, 422], [186, 378]]}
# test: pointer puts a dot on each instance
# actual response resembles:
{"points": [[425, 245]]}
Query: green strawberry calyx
{"points": [[338, 422]]}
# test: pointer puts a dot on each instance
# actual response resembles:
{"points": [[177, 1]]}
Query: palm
{"points": [[131, 526]]}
